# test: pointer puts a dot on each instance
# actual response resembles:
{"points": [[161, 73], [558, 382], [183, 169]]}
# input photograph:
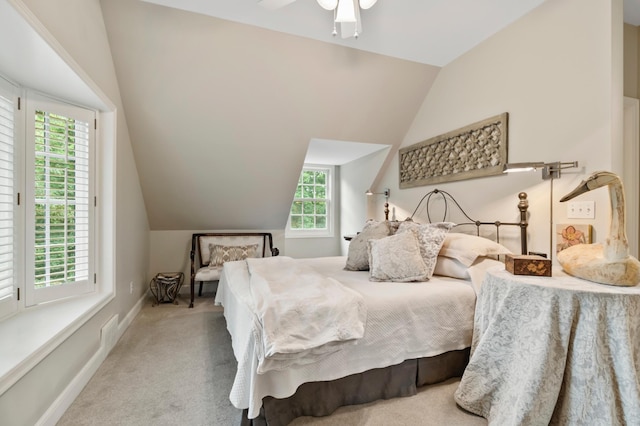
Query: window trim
{"points": [[75, 87], [331, 213]]}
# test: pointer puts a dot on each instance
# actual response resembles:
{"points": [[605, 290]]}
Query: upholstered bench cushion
{"points": [[207, 242], [209, 252], [208, 273]]}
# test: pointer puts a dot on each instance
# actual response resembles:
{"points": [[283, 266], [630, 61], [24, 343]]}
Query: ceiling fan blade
{"points": [[366, 4], [328, 4], [274, 4]]}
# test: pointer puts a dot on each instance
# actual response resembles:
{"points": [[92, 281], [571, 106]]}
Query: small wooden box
{"points": [[528, 265]]}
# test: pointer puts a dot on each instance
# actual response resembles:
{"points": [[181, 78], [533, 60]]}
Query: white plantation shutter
{"points": [[7, 204], [61, 200]]}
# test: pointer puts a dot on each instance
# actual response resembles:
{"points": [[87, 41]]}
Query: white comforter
{"points": [[301, 314], [404, 321]]}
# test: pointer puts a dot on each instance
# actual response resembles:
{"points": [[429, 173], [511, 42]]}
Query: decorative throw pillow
{"points": [[467, 248], [220, 254], [396, 258], [358, 255], [430, 238], [393, 226], [449, 267]]}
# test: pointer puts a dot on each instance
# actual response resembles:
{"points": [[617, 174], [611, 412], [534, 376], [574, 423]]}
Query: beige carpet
{"points": [[175, 366]]}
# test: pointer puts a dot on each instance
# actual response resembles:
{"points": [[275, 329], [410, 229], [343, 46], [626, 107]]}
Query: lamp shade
{"points": [[522, 167], [328, 4], [366, 4]]}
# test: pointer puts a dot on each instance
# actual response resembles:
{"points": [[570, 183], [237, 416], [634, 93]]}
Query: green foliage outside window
{"points": [[55, 200], [309, 208]]}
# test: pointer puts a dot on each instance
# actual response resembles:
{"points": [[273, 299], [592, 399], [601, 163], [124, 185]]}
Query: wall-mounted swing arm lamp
{"points": [[550, 171], [386, 193]]}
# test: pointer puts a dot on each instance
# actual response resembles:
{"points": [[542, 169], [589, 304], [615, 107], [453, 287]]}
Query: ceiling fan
{"points": [[345, 12]]}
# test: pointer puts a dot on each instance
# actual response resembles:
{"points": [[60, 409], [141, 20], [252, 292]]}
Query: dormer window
{"points": [[310, 213]]}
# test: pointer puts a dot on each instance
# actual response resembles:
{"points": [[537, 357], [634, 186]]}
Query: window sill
{"points": [[29, 336], [308, 234]]}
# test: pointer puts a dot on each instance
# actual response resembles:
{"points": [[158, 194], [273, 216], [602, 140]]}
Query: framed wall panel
{"points": [[477, 150]]}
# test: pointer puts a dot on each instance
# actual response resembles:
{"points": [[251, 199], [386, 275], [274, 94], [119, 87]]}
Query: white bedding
{"points": [[404, 321], [287, 333]]}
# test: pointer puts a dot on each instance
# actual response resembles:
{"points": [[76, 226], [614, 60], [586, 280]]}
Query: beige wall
{"points": [[78, 26], [176, 245], [212, 102], [631, 55], [561, 92]]}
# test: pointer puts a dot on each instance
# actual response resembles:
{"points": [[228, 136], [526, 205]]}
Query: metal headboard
{"points": [[523, 206]]}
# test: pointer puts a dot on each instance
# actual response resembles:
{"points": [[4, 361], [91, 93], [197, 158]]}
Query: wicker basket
{"points": [[165, 287]]}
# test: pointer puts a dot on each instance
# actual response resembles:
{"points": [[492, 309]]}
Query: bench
{"points": [[209, 251]]}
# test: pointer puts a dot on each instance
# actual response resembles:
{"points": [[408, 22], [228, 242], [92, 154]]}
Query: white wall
{"points": [[559, 78], [170, 249], [77, 25], [357, 177]]}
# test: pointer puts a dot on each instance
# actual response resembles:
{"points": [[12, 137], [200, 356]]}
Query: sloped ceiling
{"points": [[220, 113], [431, 32]]}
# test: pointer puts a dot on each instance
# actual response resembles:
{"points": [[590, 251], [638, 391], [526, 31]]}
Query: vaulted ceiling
{"points": [[222, 99], [220, 113], [431, 32]]}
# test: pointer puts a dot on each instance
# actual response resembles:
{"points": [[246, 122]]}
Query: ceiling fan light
{"points": [[346, 11], [366, 4], [328, 4]]}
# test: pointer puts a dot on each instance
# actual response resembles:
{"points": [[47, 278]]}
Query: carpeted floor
{"points": [[175, 366]]}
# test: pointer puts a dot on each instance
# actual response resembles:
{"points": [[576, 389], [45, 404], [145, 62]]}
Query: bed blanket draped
{"points": [[289, 332]]}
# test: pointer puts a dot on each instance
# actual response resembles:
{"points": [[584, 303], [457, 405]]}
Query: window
{"points": [[59, 200], [46, 223], [311, 208]]}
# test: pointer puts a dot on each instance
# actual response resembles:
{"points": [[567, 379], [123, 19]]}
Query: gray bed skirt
{"points": [[323, 398]]}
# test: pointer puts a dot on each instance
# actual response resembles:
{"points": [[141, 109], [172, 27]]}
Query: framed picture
{"points": [[568, 235]]}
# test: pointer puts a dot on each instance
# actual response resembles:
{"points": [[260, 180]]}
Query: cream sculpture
{"points": [[608, 263]]}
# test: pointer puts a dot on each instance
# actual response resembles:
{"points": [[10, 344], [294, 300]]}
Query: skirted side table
{"points": [[553, 350]]}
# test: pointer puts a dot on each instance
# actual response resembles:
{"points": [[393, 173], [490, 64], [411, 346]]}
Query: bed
{"points": [[390, 337]]}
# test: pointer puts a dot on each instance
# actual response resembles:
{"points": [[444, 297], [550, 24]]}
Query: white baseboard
{"points": [[71, 392]]}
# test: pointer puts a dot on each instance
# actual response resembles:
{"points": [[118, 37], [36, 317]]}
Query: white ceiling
{"points": [[391, 28], [432, 32], [325, 151]]}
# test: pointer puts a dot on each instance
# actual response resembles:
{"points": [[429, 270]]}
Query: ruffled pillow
{"points": [[430, 238], [358, 255], [396, 258], [467, 248]]}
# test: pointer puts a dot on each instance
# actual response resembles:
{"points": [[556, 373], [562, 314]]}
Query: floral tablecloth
{"points": [[557, 350]]}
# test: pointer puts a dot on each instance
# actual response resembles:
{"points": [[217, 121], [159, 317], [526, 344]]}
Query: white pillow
{"points": [[358, 255], [467, 248], [396, 258], [430, 238], [449, 267]]}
